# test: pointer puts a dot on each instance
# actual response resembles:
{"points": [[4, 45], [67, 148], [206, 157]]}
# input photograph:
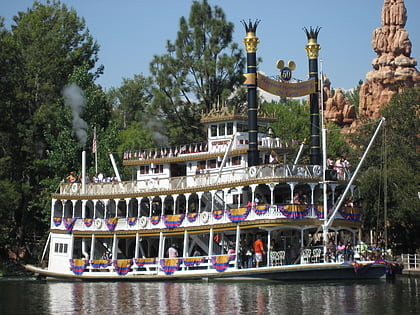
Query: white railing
{"points": [[268, 171], [410, 261]]}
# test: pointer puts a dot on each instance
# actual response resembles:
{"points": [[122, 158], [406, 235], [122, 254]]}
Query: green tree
{"points": [[292, 118], [131, 100], [44, 45], [200, 68], [391, 176]]}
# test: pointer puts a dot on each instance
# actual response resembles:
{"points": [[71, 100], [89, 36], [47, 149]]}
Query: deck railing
{"points": [[212, 177], [410, 261]]}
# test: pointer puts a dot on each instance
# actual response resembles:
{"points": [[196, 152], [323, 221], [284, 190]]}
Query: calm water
{"points": [[27, 296]]}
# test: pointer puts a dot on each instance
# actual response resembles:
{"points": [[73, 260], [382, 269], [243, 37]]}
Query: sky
{"points": [[131, 32]]}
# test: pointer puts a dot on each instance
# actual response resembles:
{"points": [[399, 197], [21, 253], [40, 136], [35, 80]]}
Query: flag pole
{"points": [[95, 151]]}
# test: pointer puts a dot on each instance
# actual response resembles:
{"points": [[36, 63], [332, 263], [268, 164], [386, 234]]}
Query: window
{"points": [[242, 127], [60, 248], [158, 169], [212, 164], [222, 130], [144, 169], [213, 129], [229, 128], [236, 160]]}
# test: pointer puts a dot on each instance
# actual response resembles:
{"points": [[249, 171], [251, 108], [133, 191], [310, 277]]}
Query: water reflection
{"points": [[378, 296]]}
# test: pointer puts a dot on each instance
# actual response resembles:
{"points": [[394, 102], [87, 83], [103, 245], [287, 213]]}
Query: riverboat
{"points": [[206, 202]]}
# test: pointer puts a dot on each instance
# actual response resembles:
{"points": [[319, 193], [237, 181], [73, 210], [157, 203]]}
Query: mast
{"points": [[251, 41]]}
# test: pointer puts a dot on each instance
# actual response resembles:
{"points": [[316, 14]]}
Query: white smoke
{"points": [[74, 97]]}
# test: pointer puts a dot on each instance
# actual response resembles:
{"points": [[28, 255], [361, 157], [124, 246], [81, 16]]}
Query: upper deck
{"points": [[213, 179]]}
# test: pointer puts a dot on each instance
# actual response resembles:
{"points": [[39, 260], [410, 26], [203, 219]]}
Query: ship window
{"points": [[242, 127], [158, 169], [229, 128], [222, 130], [213, 129], [236, 160], [60, 248], [212, 163], [144, 169]]}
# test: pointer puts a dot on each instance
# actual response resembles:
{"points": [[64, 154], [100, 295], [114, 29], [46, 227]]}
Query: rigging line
{"points": [[378, 199], [385, 189]]}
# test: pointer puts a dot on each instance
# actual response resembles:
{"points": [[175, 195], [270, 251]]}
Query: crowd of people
{"points": [[97, 178], [340, 165]]}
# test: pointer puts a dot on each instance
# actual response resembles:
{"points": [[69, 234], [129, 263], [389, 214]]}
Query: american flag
{"points": [[94, 141]]}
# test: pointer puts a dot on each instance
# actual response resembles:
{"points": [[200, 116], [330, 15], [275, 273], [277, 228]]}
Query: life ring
{"points": [[204, 216], [317, 170], [98, 223], [143, 221], [74, 188], [252, 171]]}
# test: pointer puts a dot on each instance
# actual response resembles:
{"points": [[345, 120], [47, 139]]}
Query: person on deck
{"points": [[71, 178], [258, 251], [172, 251]]}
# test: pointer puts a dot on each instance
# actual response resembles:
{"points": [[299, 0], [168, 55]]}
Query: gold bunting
{"points": [[284, 89]]}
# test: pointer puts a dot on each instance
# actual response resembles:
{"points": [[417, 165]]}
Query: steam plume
{"points": [[74, 97]]}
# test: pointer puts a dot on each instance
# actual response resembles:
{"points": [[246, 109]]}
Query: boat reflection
{"points": [[213, 297]]}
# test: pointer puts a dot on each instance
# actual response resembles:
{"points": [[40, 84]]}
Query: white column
{"points": [[292, 189], [199, 194], [114, 247], [127, 205], [187, 202], [210, 247], [136, 250], [268, 248], [272, 186], [237, 244], [92, 248]]}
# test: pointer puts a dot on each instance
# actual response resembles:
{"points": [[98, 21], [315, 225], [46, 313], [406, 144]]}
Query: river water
{"points": [[30, 296]]}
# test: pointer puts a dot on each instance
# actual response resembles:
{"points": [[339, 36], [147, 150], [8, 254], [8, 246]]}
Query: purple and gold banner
{"points": [[284, 89]]}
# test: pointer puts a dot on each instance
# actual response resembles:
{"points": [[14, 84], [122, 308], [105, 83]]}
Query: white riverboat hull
{"points": [[307, 272]]}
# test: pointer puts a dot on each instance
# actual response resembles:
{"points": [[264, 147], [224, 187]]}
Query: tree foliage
{"points": [[390, 180], [292, 118], [201, 67], [46, 45]]}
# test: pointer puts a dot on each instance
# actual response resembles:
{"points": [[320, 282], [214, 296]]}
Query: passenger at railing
{"points": [[106, 256], [330, 162], [71, 178], [258, 251], [291, 255], [172, 251], [339, 167], [274, 158], [303, 199], [331, 253], [347, 165], [340, 250], [87, 178], [296, 198], [231, 250], [156, 208], [248, 261], [348, 252], [362, 249], [349, 202], [100, 177]]}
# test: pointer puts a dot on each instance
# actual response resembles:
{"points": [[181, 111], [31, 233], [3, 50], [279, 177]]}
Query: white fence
{"points": [[410, 261]]}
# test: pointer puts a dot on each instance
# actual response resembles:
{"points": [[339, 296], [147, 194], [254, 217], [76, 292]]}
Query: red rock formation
{"points": [[337, 107], [394, 69]]}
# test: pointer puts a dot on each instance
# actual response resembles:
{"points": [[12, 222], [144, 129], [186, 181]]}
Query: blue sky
{"points": [[131, 32]]}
